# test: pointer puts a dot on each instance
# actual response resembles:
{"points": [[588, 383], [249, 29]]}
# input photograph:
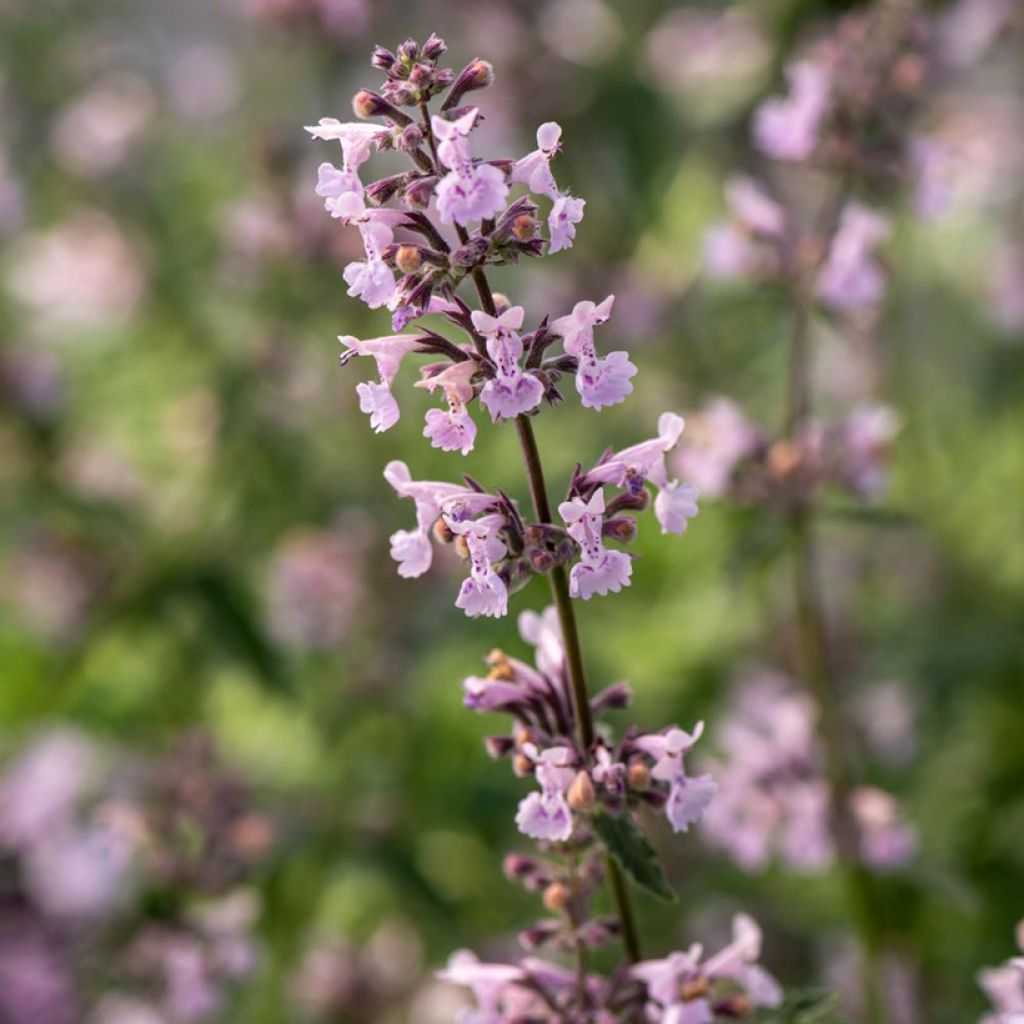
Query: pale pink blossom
{"points": [[851, 278], [375, 398], [718, 437], [546, 815], [471, 190], [534, 169], [787, 129], [565, 214], [451, 429], [512, 390], [599, 570], [688, 797], [484, 592]]}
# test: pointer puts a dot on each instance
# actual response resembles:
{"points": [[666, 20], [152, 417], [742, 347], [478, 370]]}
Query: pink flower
{"points": [[866, 438], [546, 815], [357, 141], [387, 352], [534, 169], [489, 983], [452, 430], [599, 571], [787, 129], [470, 191], [371, 279], [600, 382], [744, 245], [511, 391], [687, 797], [544, 631], [566, 213], [676, 503], [851, 279], [485, 592], [411, 548]]}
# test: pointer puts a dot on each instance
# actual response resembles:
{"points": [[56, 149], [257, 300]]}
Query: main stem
{"points": [[820, 675]]}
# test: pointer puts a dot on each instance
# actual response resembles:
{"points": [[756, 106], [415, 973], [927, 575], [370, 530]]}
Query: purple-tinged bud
{"points": [[633, 501], [566, 551], [419, 192], [655, 797], [498, 747], [620, 528], [523, 734], [477, 74], [443, 77], [408, 259], [408, 51], [596, 934], [500, 665], [434, 47], [367, 104], [524, 227], [380, 191], [517, 866], [382, 58], [421, 75], [501, 302], [522, 766], [581, 795], [472, 253], [556, 897], [537, 935], [541, 560], [612, 698], [395, 91], [410, 138]]}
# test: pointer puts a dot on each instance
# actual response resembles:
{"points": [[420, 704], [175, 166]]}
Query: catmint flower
{"points": [[787, 129], [687, 797], [484, 592], [534, 169], [676, 503], [599, 381], [375, 398], [511, 391], [717, 439], [544, 632], [547, 815], [565, 214], [599, 570], [851, 279], [371, 280], [470, 191], [357, 141], [452, 430], [412, 548], [489, 984], [746, 244]]}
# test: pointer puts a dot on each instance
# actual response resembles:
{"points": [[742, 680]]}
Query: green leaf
{"points": [[624, 840], [810, 1006]]}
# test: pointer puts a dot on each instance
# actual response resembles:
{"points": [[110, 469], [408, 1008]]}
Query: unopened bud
{"points": [[541, 560], [693, 988], [783, 458], [382, 58], [522, 734], [581, 795], [408, 50], [462, 546], [638, 775], [419, 192], [535, 936], [434, 47], [498, 746], [367, 104], [556, 897], [501, 302], [472, 253], [477, 74], [408, 259], [501, 667], [518, 866], [410, 138], [524, 227], [620, 528], [522, 765], [421, 75], [443, 532]]}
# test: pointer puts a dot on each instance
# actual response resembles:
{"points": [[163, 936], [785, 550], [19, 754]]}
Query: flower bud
{"points": [[522, 734], [498, 746], [517, 866], [541, 560], [417, 195], [693, 988], [524, 227], [614, 697], [434, 47], [408, 50], [783, 458], [462, 547], [535, 936], [408, 259], [367, 104], [477, 74], [556, 897], [421, 75], [581, 795], [382, 58], [411, 138], [472, 253], [501, 667], [522, 765], [639, 775], [443, 532], [380, 191], [443, 78], [620, 528], [397, 91]]}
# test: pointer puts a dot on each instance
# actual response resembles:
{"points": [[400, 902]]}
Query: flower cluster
{"points": [[726, 454], [773, 795]]}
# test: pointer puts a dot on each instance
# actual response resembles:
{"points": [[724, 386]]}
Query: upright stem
{"points": [[560, 594], [819, 672]]}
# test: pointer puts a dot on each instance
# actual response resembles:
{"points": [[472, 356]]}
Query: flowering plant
{"points": [[427, 232]]}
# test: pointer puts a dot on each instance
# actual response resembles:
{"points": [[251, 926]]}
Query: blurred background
{"points": [[236, 779]]}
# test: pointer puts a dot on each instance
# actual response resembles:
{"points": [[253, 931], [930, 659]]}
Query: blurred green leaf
{"points": [[625, 841]]}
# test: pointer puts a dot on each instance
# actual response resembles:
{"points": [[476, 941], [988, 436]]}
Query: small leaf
{"points": [[624, 840]]}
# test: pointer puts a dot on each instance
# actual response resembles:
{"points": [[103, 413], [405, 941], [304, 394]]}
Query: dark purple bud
{"points": [[421, 75], [382, 58], [541, 560], [400, 93], [620, 528], [367, 104], [498, 747], [434, 47], [632, 501], [518, 866], [537, 935], [477, 74], [419, 191], [612, 698], [595, 934], [380, 191], [410, 138], [408, 51], [443, 78], [472, 253]]}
